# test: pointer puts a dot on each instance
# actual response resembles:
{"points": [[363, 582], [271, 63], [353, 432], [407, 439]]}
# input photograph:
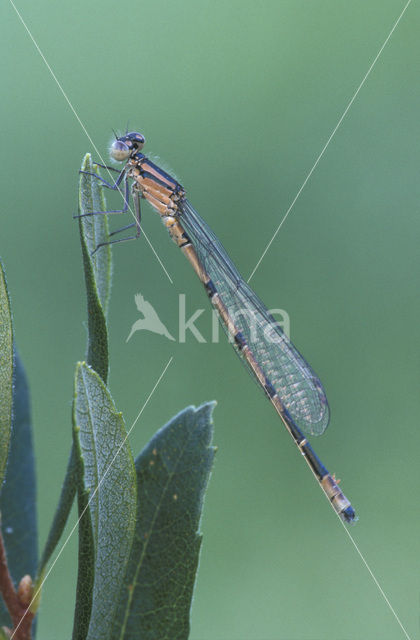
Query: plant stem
{"points": [[19, 612]]}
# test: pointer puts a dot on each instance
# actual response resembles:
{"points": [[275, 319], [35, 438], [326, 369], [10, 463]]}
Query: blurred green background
{"points": [[237, 98]]}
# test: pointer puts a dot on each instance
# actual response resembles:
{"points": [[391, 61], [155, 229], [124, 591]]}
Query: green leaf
{"points": [[18, 498], [97, 267], [95, 229], [109, 477], [6, 372], [172, 474], [86, 560]]}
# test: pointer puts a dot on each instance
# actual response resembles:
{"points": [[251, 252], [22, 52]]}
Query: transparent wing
{"points": [[294, 380]]}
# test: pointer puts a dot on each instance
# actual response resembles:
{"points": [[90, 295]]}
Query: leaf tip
{"points": [[86, 162]]}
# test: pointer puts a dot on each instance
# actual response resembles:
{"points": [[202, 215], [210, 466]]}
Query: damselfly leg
{"points": [[116, 187], [137, 224], [104, 166]]}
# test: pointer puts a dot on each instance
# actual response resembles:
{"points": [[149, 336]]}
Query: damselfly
{"points": [[285, 377]]}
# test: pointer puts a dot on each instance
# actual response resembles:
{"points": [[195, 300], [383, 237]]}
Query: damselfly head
{"points": [[123, 147]]}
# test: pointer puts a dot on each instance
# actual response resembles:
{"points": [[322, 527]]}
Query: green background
{"points": [[238, 98]]}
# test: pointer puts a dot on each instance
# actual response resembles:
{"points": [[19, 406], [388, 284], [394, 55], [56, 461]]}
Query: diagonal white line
{"points": [[363, 559], [372, 575], [154, 252], [328, 141], [92, 496], [76, 115]]}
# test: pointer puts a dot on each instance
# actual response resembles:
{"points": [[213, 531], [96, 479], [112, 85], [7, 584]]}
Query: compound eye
{"points": [[119, 151]]}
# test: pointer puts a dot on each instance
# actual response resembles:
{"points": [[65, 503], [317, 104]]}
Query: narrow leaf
{"points": [[172, 474], [109, 477], [6, 372], [97, 267], [18, 497], [95, 229], [86, 560]]}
